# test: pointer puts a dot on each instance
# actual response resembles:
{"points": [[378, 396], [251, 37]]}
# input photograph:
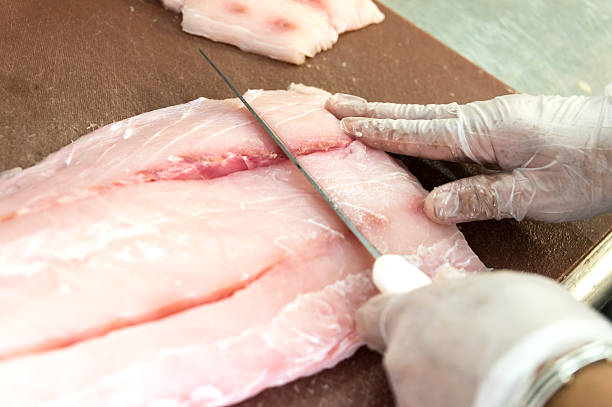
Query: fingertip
{"points": [[342, 105], [332, 101], [436, 207], [352, 126], [476, 198], [429, 208]]}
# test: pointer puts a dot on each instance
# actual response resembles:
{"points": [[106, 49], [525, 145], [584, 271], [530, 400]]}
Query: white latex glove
{"points": [[475, 341], [555, 152]]}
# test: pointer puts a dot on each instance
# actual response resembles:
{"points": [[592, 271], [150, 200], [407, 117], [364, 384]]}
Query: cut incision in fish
{"points": [[177, 257], [288, 30]]}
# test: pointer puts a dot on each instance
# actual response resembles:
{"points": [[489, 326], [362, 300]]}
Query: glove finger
{"points": [[481, 197], [371, 320], [438, 139], [342, 105]]}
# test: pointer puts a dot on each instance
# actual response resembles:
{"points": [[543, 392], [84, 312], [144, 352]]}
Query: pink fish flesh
{"points": [[177, 257], [288, 30]]}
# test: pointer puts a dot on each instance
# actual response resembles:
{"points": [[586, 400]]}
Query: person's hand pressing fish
{"points": [[503, 339], [555, 152]]}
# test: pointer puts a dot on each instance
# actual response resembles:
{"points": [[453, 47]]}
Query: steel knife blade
{"points": [[364, 241]]}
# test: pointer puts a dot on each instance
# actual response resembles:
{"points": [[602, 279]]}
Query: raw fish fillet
{"points": [[174, 5], [288, 30], [348, 15], [178, 259]]}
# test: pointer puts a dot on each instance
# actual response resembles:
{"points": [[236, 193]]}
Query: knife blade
{"points": [[351, 226]]}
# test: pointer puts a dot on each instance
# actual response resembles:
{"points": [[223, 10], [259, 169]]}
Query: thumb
{"points": [[481, 197], [372, 320]]}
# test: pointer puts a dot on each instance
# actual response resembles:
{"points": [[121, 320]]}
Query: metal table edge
{"points": [[590, 281]]}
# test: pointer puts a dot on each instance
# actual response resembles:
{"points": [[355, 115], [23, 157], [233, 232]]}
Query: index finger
{"points": [[342, 105], [437, 139]]}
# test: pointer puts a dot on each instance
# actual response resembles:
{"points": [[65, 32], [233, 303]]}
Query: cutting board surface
{"points": [[71, 66]]}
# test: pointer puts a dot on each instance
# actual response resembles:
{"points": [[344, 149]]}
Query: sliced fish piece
{"points": [[288, 30], [348, 15]]}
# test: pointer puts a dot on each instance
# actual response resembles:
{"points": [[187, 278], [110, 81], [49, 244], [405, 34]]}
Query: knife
{"points": [[392, 273]]}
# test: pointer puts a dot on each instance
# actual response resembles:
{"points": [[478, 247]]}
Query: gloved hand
{"points": [[475, 341], [555, 152]]}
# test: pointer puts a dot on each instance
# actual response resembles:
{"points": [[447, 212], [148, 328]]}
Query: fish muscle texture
{"points": [[177, 258]]}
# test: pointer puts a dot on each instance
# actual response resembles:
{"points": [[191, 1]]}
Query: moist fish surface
{"points": [[177, 258], [288, 30]]}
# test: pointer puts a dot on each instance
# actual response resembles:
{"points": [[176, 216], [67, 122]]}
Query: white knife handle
{"points": [[392, 274]]}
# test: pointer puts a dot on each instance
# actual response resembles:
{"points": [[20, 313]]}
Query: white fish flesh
{"points": [[177, 257], [288, 30]]}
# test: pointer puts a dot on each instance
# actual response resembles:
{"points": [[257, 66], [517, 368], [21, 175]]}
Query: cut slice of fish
{"points": [[348, 15], [288, 30]]}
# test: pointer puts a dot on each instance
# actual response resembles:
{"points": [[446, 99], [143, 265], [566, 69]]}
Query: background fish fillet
{"points": [[288, 30]]}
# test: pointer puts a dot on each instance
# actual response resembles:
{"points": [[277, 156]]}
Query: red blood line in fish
{"points": [[313, 3], [237, 8], [282, 24]]}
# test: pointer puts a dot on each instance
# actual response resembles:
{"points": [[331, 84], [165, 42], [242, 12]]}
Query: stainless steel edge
{"points": [[591, 280]]}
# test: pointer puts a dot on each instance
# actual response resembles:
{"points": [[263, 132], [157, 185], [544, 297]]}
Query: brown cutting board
{"points": [[70, 66]]}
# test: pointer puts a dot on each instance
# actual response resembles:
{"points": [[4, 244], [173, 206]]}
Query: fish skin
{"points": [[287, 30], [153, 341]]}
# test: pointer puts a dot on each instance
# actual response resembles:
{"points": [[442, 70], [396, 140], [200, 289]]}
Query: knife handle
{"points": [[392, 274]]}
